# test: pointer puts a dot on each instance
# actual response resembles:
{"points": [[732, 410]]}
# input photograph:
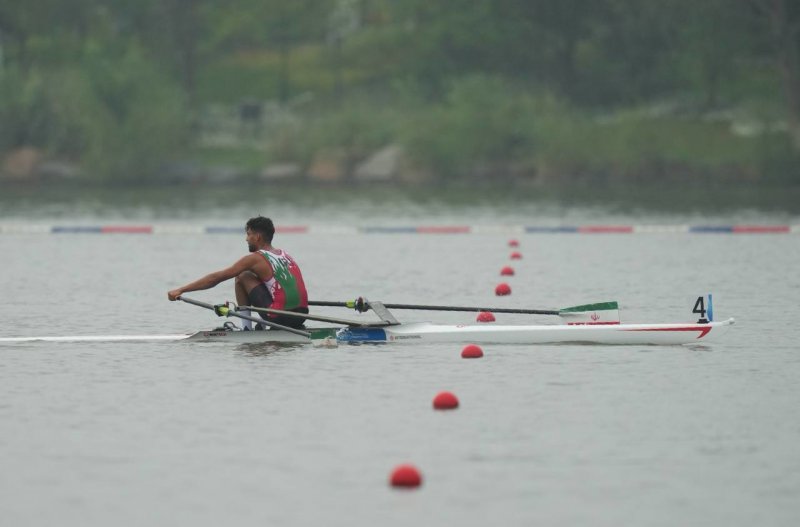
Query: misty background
{"points": [[542, 94]]}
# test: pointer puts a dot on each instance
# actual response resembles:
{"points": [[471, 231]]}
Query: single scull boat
{"points": [[588, 324]]}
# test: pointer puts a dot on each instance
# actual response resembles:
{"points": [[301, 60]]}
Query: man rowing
{"points": [[267, 277]]}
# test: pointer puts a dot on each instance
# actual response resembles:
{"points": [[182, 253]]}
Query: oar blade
{"points": [[597, 313], [324, 338]]}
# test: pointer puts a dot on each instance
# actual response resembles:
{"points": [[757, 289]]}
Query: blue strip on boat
{"points": [[361, 335]]}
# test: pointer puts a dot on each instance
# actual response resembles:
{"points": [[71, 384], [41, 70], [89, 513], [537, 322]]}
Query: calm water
{"points": [[212, 434]]}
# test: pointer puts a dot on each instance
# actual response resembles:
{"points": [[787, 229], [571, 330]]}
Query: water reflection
{"points": [[699, 347], [266, 349]]}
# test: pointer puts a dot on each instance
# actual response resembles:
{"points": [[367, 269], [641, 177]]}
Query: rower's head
{"points": [[259, 231]]}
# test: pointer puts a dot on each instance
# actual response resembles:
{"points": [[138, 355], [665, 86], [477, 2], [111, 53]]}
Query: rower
{"points": [[267, 277]]}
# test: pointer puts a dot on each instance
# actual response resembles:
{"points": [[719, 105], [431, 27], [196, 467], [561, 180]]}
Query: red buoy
{"points": [[405, 475], [516, 255], [485, 316], [445, 401], [507, 271], [502, 289], [513, 243], [471, 351]]}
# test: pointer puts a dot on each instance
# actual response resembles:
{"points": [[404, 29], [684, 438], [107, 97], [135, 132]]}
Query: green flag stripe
{"points": [[600, 306], [285, 278]]}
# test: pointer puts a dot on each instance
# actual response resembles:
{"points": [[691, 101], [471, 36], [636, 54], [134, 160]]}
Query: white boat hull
{"points": [[656, 334]]}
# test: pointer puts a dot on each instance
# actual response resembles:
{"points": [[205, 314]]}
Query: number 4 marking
{"points": [[700, 307]]}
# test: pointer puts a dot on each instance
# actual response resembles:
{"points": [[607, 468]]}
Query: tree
{"points": [[780, 20]]}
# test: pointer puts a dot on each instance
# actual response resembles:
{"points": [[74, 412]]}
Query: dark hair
{"points": [[263, 226]]}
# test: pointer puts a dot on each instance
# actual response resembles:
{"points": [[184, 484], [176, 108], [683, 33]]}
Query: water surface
{"points": [[209, 434]]}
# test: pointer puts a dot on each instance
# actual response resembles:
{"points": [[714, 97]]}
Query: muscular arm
{"points": [[249, 262]]}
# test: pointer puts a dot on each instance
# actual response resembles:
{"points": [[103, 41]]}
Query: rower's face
{"points": [[253, 240]]}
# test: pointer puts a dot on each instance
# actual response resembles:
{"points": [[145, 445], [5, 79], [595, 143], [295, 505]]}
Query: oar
{"points": [[318, 318], [232, 313], [362, 305]]}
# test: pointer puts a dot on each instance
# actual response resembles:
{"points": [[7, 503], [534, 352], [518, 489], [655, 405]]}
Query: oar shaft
{"points": [[442, 308], [474, 309], [327, 303], [307, 316], [259, 320]]}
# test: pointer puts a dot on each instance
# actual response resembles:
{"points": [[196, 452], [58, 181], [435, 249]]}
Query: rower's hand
{"points": [[174, 294], [361, 305]]}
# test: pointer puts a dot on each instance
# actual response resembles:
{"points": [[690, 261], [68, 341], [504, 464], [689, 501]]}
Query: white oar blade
{"points": [[598, 313], [327, 342], [324, 338]]}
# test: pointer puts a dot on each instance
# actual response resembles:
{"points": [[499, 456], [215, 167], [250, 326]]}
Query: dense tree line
{"points": [[116, 84]]}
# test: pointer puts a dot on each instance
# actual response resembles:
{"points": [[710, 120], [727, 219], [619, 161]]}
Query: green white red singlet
{"points": [[286, 285]]}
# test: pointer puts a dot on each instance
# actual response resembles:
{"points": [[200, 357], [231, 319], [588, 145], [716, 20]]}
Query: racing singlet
{"points": [[286, 285]]}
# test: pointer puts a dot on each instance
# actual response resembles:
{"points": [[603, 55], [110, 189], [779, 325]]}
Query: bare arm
{"points": [[212, 279]]}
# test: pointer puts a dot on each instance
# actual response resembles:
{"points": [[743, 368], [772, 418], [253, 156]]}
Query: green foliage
{"points": [[355, 129], [247, 159], [256, 75], [18, 98], [632, 145], [145, 112], [53, 110], [120, 118], [468, 87], [483, 121]]}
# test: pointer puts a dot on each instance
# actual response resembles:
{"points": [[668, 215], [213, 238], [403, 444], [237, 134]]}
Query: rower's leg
{"points": [[245, 282]]}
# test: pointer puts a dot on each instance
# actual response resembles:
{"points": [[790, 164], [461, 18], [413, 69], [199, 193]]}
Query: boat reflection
{"points": [[265, 349]]}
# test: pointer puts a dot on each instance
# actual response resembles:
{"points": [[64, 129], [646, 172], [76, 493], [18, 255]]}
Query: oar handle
{"points": [[233, 313], [354, 304]]}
